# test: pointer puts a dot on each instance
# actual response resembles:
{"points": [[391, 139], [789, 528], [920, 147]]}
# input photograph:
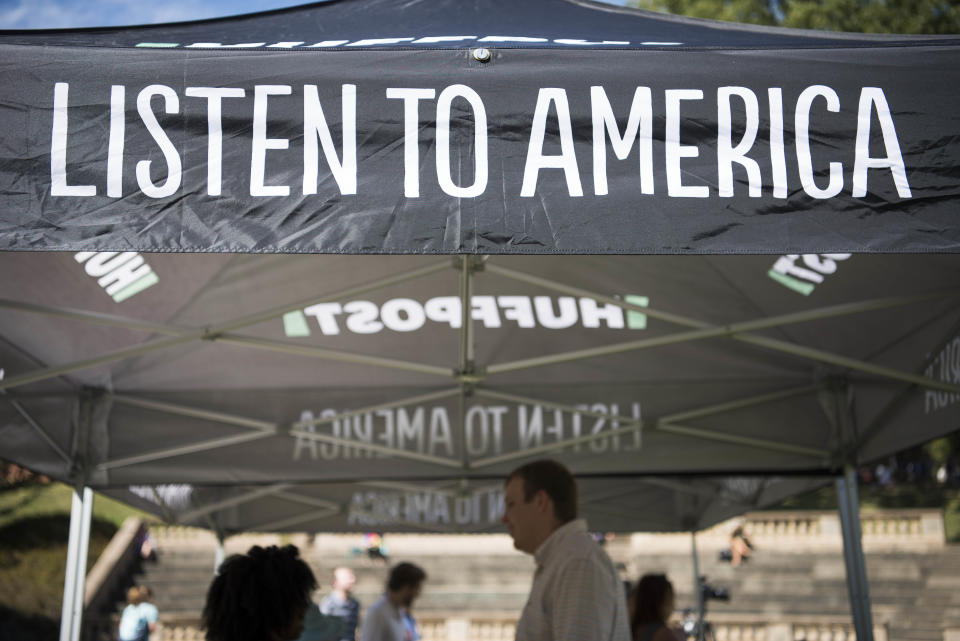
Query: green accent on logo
{"points": [[637, 320], [137, 286], [159, 45], [792, 283], [295, 324]]}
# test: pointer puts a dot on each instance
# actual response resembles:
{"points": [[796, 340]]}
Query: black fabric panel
{"points": [[915, 84], [540, 23]]}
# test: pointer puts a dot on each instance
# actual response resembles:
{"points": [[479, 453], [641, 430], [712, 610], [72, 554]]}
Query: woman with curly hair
{"points": [[262, 595]]}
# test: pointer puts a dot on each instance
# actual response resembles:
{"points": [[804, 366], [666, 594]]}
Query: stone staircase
{"points": [[788, 591]]}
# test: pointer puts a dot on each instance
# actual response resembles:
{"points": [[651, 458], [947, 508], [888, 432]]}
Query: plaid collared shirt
{"points": [[576, 593]]}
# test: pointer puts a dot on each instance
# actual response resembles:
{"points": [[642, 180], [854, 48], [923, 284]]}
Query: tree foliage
{"points": [[868, 16]]}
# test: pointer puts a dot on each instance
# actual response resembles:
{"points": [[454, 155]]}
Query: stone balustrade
{"points": [[179, 633], [189, 537], [484, 627], [801, 530], [806, 531], [739, 627]]}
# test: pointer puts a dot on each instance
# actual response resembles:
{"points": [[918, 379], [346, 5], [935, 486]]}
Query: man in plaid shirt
{"points": [[576, 593]]}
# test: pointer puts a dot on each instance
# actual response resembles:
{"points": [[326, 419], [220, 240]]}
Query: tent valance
{"points": [[706, 138]]}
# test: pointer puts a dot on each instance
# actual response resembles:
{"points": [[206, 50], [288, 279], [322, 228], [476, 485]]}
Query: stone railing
{"points": [[739, 627], [186, 537], [479, 626], [732, 628], [113, 566], [484, 627], [178, 632], [107, 579], [798, 530], [805, 531]]}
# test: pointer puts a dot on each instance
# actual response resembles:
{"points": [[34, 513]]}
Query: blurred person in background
{"points": [[131, 623], [384, 621], [651, 605], [341, 602]]}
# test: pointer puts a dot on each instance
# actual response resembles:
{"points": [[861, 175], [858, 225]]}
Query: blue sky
{"points": [[60, 14]]}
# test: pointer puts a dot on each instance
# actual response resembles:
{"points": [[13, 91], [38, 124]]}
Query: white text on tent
{"points": [[409, 315], [552, 103], [490, 430]]}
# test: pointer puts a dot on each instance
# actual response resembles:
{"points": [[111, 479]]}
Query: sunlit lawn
{"points": [[34, 528]]}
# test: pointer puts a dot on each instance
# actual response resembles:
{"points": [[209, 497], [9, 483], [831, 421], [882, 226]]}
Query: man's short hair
{"points": [[404, 574], [553, 478]]}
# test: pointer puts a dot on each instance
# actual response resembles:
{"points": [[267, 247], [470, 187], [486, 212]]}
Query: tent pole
{"points": [[35, 425], [218, 554], [848, 504], [69, 583], [299, 519], [71, 617], [697, 591], [207, 510], [839, 408], [465, 362]]}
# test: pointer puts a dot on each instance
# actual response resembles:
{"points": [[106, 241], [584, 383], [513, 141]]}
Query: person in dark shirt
{"points": [[341, 602], [651, 606], [262, 595]]}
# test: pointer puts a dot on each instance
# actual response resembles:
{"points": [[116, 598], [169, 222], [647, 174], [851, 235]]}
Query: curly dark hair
{"points": [[258, 594]]}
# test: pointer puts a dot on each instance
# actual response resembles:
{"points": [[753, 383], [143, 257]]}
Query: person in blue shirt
{"points": [[148, 613], [131, 622]]}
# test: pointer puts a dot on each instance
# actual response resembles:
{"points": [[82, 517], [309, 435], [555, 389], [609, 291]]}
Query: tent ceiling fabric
{"points": [[475, 507], [161, 339], [367, 126], [319, 371]]}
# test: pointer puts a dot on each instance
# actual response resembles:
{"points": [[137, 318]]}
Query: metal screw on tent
{"points": [[483, 55]]}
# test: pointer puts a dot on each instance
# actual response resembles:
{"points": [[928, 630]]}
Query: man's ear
{"points": [[543, 502]]}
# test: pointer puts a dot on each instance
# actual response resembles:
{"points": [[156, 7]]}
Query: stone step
{"points": [[915, 631], [915, 590], [481, 601]]}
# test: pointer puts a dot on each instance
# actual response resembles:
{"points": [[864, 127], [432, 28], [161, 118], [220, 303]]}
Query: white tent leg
{"points": [[848, 504], [218, 555], [697, 591], [71, 618]]}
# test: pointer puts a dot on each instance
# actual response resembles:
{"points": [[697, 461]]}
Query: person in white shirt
{"points": [[384, 619], [576, 593]]}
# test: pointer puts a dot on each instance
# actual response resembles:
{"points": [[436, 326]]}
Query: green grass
{"points": [[951, 519], [34, 499], [34, 530]]}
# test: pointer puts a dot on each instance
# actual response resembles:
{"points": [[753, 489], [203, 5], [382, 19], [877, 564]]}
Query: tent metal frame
{"points": [[738, 331], [467, 374], [469, 377]]}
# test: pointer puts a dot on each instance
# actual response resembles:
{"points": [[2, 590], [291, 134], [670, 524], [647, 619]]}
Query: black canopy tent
{"points": [[369, 126], [286, 391]]}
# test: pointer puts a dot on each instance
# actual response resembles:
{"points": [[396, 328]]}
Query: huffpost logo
{"points": [[803, 273], [120, 274], [492, 312]]}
